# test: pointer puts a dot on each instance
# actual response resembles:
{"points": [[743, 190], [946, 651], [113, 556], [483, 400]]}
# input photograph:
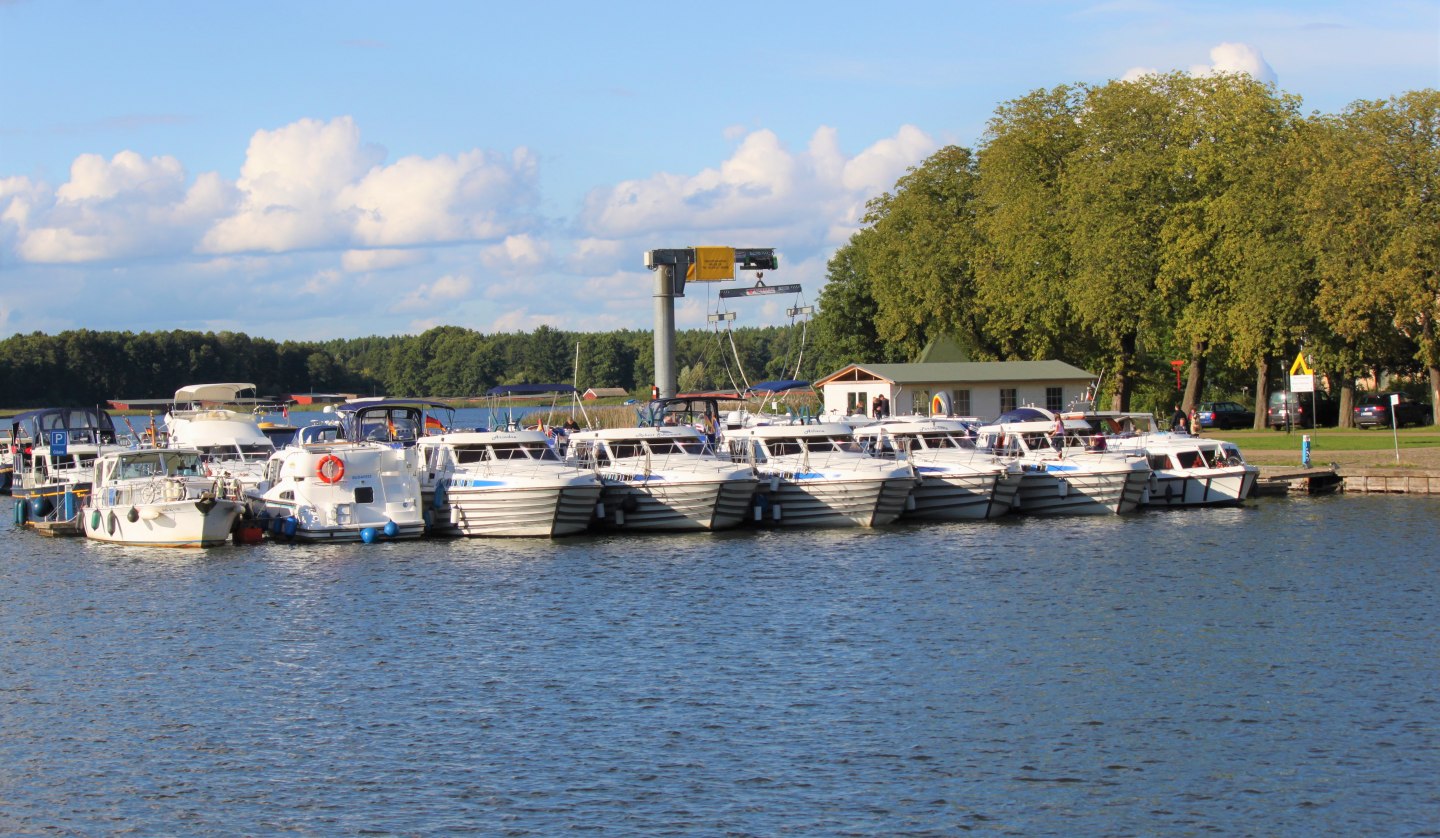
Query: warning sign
{"points": [[712, 264]]}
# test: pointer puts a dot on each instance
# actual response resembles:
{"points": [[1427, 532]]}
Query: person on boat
{"points": [[1177, 420], [571, 424], [1194, 421]]}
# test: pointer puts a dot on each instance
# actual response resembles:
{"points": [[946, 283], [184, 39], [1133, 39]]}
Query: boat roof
{"points": [[483, 437], [643, 432], [780, 386], [356, 405], [228, 392]]}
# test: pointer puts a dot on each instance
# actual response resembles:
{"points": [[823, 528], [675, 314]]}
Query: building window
{"points": [[961, 403], [1054, 399], [857, 403], [1007, 399]]}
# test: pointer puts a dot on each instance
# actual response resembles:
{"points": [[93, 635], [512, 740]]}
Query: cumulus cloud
{"points": [[515, 255], [313, 184], [1224, 58], [443, 290], [125, 206], [1236, 58], [762, 185]]}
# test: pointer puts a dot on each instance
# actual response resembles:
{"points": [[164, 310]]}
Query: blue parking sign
{"points": [[59, 442]]}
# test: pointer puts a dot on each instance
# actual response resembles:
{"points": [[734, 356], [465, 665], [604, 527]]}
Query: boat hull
{"points": [[832, 502], [171, 524], [973, 496], [1053, 492], [675, 505], [1210, 487], [516, 512]]}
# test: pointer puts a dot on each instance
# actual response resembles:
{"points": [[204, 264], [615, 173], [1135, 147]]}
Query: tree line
{"points": [[83, 367], [1125, 226]]}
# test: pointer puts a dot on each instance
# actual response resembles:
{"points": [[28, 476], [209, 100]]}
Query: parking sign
{"points": [[59, 443]]}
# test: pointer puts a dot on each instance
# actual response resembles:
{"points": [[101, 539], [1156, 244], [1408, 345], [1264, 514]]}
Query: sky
{"points": [[314, 170]]}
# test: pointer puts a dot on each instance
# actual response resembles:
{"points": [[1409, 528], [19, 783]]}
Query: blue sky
{"points": [[312, 170]]}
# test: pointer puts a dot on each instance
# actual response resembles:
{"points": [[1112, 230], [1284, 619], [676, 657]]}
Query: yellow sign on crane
{"points": [[711, 264]]}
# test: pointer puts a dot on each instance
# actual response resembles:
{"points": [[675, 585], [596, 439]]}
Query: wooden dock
{"points": [[1393, 481], [1284, 480]]}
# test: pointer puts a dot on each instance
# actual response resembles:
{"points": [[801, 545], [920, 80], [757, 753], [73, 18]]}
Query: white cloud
{"points": [[441, 291], [126, 206], [1236, 58], [323, 282], [362, 261], [763, 186], [1224, 58], [516, 254]]}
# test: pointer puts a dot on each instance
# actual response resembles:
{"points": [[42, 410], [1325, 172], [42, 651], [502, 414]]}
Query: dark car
{"points": [[1225, 415], [1288, 409], [1373, 411]]}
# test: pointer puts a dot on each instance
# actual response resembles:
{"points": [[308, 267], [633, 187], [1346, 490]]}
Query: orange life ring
{"points": [[330, 469]]}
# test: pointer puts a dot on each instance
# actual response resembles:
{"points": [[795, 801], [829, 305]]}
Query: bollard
{"points": [[1305, 451]]}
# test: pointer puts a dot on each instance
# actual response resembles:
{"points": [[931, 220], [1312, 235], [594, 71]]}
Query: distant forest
{"points": [[86, 367], [1200, 222]]}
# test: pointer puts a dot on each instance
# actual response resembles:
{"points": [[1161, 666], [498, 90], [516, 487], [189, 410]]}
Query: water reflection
{"points": [[1210, 670]]}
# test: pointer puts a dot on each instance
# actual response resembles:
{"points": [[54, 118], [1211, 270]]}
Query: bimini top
{"points": [[83, 423], [529, 389], [1022, 414], [777, 386], [226, 393], [355, 405]]}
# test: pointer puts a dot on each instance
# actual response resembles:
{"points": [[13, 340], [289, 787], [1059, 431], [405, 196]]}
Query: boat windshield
{"points": [[940, 439], [521, 451], [660, 447], [153, 463]]}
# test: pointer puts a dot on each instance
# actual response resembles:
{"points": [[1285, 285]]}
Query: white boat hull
{"points": [[516, 512], [832, 502], [167, 524], [1052, 492], [1207, 487], [949, 496], [651, 504]]}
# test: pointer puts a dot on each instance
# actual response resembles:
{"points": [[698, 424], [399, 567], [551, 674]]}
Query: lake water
{"points": [[1267, 670]]}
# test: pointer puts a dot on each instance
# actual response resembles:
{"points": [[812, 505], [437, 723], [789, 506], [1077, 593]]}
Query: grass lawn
{"points": [[1419, 447]]}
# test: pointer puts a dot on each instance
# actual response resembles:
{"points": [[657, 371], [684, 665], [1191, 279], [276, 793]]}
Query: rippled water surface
{"points": [[1265, 670]]}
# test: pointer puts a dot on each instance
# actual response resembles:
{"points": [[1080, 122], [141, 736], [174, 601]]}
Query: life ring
{"points": [[940, 404], [330, 469]]}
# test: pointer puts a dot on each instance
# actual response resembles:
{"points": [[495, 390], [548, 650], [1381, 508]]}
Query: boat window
{"points": [[503, 453], [783, 447], [465, 455], [364, 494], [832, 443], [1159, 462], [1189, 459], [590, 454], [256, 450], [623, 450], [676, 446]]}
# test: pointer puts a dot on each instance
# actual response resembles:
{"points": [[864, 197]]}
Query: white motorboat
{"points": [[504, 483], [231, 443], [957, 481], [1064, 471], [355, 478], [816, 475], [7, 460], [159, 497], [54, 451], [662, 478], [1185, 470]]}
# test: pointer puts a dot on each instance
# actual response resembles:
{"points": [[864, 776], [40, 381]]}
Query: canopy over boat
{"points": [[777, 386], [228, 393]]}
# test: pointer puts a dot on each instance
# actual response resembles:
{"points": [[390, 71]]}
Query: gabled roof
{"points": [[960, 371]]}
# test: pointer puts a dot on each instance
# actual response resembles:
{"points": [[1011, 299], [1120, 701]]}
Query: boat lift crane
{"points": [[673, 267]]}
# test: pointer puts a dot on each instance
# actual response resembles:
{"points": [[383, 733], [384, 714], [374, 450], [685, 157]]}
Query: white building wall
{"points": [[984, 396]]}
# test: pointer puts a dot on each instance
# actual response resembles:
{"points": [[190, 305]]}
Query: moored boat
{"points": [[504, 483], [816, 475], [159, 497], [957, 481], [1064, 470], [662, 478], [1185, 470], [231, 444], [54, 451]]}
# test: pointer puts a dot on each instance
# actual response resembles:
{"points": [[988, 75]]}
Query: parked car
{"points": [[1373, 411], [1225, 415], [1289, 409]]}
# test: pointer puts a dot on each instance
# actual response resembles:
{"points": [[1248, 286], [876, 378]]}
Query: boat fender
{"points": [[330, 469], [95, 520], [205, 504], [133, 515], [440, 495], [368, 535], [39, 507], [21, 507], [630, 503], [391, 529], [600, 510], [111, 524], [289, 525]]}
